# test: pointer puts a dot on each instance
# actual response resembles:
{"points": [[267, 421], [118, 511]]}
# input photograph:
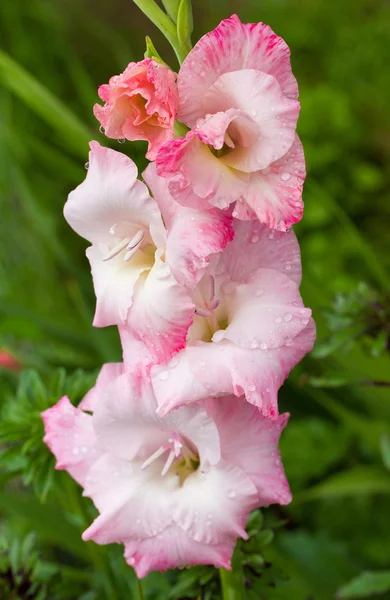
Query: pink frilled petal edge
{"points": [[192, 235], [232, 46], [70, 436]]}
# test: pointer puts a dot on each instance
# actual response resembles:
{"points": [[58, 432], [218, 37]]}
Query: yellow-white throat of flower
{"points": [[182, 460]]}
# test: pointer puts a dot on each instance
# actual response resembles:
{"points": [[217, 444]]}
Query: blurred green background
{"points": [[336, 449]]}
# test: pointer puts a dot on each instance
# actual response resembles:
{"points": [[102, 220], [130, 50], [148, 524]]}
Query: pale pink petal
{"points": [[200, 180], [265, 312], [108, 373], [109, 195], [250, 442], [215, 504], [274, 195], [257, 246], [70, 436], [230, 370], [174, 548], [193, 235], [137, 357], [133, 503], [194, 424], [114, 282], [232, 46], [161, 313], [125, 419], [253, 96]]}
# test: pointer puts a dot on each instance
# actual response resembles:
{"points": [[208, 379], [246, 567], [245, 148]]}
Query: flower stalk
{"points": [[232, 583], [166, 26]]}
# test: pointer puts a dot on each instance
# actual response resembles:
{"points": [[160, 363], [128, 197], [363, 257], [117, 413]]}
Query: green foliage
{"points": [[366, 584], [21, 427]]}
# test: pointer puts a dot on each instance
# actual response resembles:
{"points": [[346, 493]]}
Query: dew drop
{"points": [[255, 239], [259, 292], [86, 165], [231, 493], [164, 375], [251, 388], [254, 344], [288, 317], [102, 130], [122, 141], [263, 346], [278, 319], [76, 450], [285, 176]]}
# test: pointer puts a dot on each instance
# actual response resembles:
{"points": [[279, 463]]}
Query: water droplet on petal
{"points": [[285, 176], [251, 388], [259, 292], [76, 450], [164, 375], [102, 130], [288, 317], [263, 346], [231, 493], [122, 141], [278, 319], [86, 165]]}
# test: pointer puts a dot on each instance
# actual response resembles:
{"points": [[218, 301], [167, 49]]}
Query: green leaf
{"points": [[171, 6], [151, 51], [366, 584], [185, 22], [72, 132], [356, 481], [380, 343]]}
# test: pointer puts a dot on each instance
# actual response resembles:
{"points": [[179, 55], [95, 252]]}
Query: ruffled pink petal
{"points": [[200, 180], [161, 313], [193, 235], [264, 313], [257, 246], [174, 548], [263, 120], [232, 46], [134, 503], [197, 178], [250, 441], [108, 373], [114, 281], [110, 194], [141, 104], [137, 357], [274, 195], [214, 504], [230, 370], [70, 436]]}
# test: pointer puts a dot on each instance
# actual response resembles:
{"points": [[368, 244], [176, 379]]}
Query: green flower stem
{"points": [[232, 583], [140, 591], [165, 25]]}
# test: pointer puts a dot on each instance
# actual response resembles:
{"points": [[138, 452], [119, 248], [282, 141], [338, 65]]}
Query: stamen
{"points": [[134, 245], [155, 456], [118, 248], [169, 462], [215, 304], [202, 313], [212, 288]]}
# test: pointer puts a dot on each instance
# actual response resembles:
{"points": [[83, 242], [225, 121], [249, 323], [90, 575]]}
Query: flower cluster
{"points": [[200, 271]]}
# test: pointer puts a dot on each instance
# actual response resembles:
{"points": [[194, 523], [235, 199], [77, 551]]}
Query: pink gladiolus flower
{"points": [[250, 326], [239, 96], [140, 104], [132, 253], [175, 490]]}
